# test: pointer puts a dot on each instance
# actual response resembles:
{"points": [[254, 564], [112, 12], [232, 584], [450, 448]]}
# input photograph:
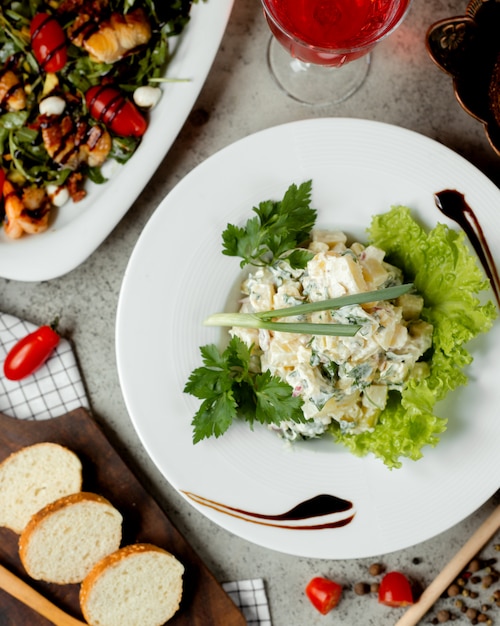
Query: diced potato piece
{"points": [[357, 248], [374, 273], [328, 236], [342, 408], [337, 275], [249, 336], [372, 252], [420, 370], [261, 297], [421, 334], [375, 396], [391, 334], [285, 293], [318, 246], [411, 305]]}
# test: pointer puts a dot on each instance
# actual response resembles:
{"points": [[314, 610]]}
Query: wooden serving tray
{"points": [[204, 602]]}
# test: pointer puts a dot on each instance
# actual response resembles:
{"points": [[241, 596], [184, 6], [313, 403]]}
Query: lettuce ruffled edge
{"points": [[447, 274]]}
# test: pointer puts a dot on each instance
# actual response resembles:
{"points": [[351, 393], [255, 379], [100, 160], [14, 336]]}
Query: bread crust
{"points": [[113, 559], [17, 519], [49, 557], [50, 509], [53, 507]]}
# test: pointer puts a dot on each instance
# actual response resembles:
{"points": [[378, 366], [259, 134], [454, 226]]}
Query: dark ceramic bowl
{"points": [[467, 47]]}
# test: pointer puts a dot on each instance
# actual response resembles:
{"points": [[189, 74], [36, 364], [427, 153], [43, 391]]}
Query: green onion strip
{"points": [[262, 320]]}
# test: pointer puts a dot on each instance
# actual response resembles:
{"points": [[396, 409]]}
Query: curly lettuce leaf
{"points": [[447, 275]]}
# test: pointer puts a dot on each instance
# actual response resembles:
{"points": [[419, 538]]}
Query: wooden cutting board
{"points": [[204, 602]]}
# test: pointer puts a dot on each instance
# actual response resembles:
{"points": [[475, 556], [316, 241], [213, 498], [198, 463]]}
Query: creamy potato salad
{"points": [[346, 379], [370, 373]]}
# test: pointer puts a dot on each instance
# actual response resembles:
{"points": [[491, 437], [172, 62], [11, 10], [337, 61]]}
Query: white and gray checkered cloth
{"points": [[57, 388], [250, 596]]}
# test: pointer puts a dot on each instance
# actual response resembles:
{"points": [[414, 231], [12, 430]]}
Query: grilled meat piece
{"points": [[29, 214], [111, 40], [73, 142], [74, 185], [12, 94]]}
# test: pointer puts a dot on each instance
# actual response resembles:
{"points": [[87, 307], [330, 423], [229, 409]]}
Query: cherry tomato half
{"points": [[48, 42], [30, 353], [395, 590], [323, 593], [108, 105]]}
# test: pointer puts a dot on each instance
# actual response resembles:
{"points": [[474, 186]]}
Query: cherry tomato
{"points": [[30, 353], [48, 42], [323, 593], [108, 105], [395, 590]]}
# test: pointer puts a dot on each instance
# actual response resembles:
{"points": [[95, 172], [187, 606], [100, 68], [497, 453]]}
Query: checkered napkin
{"points": [[250, 596], [57, 388]]}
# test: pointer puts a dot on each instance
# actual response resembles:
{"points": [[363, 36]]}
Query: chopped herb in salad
{"points": [[77, 79], [372, 390]]}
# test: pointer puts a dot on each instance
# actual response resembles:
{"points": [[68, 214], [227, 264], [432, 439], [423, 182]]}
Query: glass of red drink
{"points": [[320, 49]]}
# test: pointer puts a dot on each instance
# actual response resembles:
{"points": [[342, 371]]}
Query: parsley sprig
{"points": [[277, 230], [229, 388]]}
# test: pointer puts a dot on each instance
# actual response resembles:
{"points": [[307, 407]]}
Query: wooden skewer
{"points": [[17, 588], [446, 576]]}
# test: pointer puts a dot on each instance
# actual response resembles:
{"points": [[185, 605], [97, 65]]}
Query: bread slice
{"points": [[34, 476], [62, 542], [138, 584]]}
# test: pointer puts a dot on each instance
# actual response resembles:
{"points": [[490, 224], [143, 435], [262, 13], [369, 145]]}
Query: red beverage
{"points": [[332, 32]]}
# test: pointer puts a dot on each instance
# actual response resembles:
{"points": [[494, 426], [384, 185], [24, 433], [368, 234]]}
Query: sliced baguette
{"points": [[63, 541], [140, 584], [32, 477]]}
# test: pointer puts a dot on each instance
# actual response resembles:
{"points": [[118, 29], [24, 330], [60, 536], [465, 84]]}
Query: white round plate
{"points": [[177, 276], [79, 228]]}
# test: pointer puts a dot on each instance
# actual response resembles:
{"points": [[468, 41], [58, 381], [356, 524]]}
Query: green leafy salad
{"points": [[355, 341], [55, 132]]}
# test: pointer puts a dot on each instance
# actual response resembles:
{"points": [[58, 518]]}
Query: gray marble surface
{"points": [[405, 88]]}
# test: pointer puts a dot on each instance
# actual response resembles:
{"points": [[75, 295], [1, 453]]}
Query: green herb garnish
{"points": [[230, 388], [449, 278], [263, 319], [278, 229], [251, 320], [440, 266]]}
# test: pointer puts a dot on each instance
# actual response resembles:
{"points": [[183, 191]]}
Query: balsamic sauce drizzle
{"points": [[38, 31], [52, 53], [318, 506], [80, 132], [452, 203], [8, 92], [112, 108]]}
